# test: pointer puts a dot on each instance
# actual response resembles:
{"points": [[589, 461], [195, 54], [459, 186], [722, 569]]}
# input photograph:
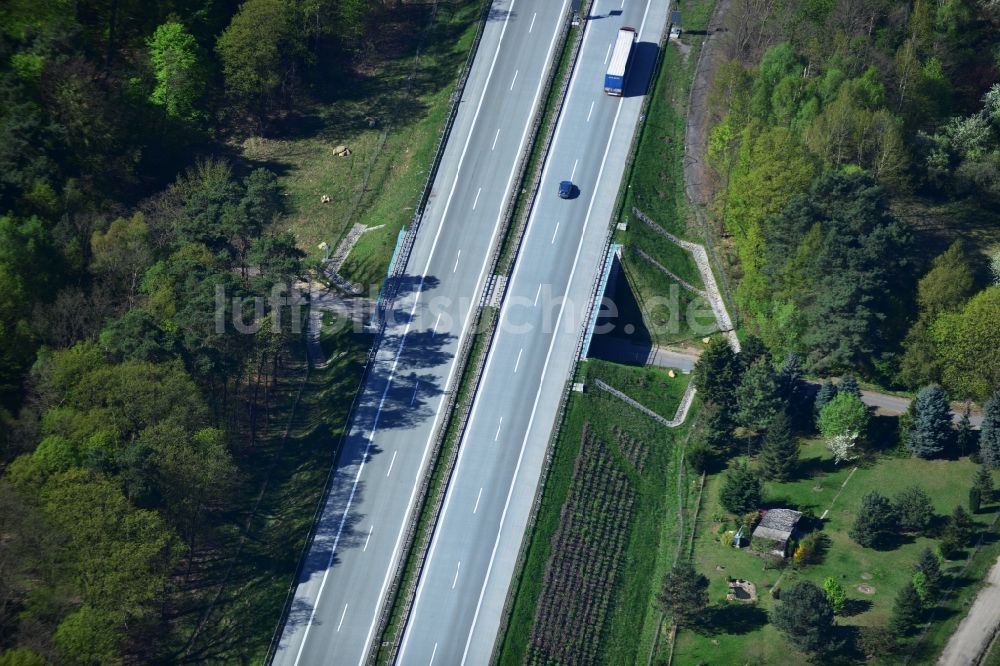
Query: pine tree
{"points": [[929, 564], [805, 615], [913, 509], [718, 432], [757, 397], [965, 436], [779, 454], [827, 392], [684, 595], [875, 521], [989, 433], [740, 492], [792, 390], [717, 374], [906, 611], [930, 433], [848, 384], [983, 482]]}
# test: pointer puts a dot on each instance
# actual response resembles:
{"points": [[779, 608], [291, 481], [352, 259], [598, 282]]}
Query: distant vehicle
{"points": [[565, 189], [675, 31], [621, 60]]}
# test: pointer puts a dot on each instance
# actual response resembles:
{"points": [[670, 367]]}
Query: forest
{"points": [[856, 156], [125, 212]]}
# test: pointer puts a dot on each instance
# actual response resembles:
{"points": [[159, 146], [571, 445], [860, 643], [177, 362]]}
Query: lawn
{"points": [[406, 98], [741, 632], [647, 456]]}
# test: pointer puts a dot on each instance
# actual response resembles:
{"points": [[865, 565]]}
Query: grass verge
{"points": [[653, 516], [407, 96]]}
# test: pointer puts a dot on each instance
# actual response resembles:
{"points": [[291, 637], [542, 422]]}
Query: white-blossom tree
{"points": [[841, 445]]}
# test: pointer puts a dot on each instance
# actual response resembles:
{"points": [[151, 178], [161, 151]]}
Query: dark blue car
{"points": [[565, 189]]}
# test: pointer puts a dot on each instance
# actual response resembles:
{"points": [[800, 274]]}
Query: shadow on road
{"points": [[640, 76]]}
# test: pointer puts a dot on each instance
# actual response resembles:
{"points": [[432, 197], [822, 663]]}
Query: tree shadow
{"points": [[854, 607], [814, 466], [733, 618]]}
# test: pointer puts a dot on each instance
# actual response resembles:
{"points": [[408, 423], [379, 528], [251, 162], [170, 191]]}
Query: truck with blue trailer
{"points": [[621, 59]]}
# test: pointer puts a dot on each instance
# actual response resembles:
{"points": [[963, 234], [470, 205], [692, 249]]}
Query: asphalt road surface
{"points": [[460, 597], [358, 541], [977, 629]]}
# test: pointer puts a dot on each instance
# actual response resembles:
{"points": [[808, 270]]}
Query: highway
{"points": [[359, 535], [461, 593]]}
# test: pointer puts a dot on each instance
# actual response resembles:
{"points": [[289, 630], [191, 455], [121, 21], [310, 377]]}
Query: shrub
{"points": [[835, 594], [698, 457], [810, 549], [875, 642]]}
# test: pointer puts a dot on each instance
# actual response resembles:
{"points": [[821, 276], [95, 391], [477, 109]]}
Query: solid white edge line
{"points": [[468, 316], [548, 356], [342, 616], [416, 301], [510, 181]]}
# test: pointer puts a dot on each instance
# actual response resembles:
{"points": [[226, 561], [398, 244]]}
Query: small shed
{"points": [[777, 526]]}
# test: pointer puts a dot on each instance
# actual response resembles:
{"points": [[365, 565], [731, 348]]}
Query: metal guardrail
{"points": [[388, 298], [490, 332], [564, 399]]}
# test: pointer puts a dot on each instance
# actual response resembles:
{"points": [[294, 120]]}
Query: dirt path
{"points": [[697, 177], [972, 638]]}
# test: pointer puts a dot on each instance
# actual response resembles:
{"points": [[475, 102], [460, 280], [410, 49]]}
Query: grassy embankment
{"points": [[651, 536], [742, 632], [656, 186]]}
